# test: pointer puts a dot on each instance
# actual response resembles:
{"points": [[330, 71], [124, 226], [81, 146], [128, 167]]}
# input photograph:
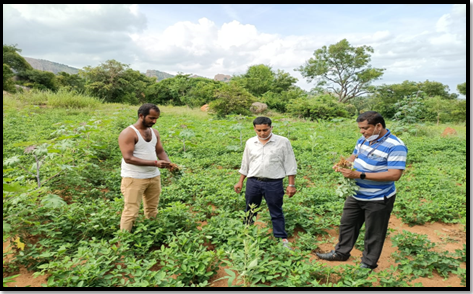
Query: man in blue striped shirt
{"points": [[379, 158]]}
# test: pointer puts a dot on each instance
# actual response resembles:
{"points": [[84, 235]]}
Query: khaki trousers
{"points": [[134, 190]]}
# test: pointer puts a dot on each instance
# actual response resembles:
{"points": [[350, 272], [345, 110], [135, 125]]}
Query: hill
{"points": [[54, 67], [159, 74]]}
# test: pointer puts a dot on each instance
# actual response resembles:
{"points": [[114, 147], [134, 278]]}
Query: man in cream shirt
{"points": [[267, 160]]}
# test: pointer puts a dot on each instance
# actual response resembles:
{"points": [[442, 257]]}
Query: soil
{"points": [[448, 237]]}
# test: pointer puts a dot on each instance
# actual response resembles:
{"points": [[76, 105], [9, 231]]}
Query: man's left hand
{"points": [[290, 191], [348, 173]]}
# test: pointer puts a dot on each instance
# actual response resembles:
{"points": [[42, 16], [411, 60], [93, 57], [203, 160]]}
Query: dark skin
{"points": [[128, 138], [263, 132], [367, 130]]}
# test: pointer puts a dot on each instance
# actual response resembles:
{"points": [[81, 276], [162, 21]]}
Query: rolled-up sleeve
{"points": [[245, 161], [290, 164]]}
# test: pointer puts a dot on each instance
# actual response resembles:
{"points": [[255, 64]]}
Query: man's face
{"points": [[150, 119], [368, 130], [263, 131]]}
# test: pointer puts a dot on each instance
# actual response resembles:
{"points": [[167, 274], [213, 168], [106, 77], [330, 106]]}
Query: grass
{"points": [[61, 99]]}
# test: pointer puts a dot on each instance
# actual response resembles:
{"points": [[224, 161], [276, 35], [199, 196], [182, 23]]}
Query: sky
{"points": [[414, 42]]}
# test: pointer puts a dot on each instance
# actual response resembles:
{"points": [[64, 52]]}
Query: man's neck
{"points": [[139, 126], [381, 134]]}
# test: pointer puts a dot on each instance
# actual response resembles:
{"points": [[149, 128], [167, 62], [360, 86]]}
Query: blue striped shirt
{"points": [[388, 153]]}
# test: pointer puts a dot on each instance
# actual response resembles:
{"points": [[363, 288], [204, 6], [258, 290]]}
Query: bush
{"points": [[321, 107], [231, 99], [279, 101]]}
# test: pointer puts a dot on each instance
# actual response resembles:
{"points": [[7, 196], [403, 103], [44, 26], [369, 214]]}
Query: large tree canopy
{"points": [[260, 79], [462, 88], [343, 69], [116, 82], [14, 60]]}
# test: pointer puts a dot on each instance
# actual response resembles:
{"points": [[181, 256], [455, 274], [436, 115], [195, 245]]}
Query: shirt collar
{"points": [[385, 135], [273, 138]]}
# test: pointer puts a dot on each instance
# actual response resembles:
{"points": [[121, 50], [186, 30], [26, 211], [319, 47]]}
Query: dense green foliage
{"points": [[462, 88], [62, 199], [345, 66], [8, 83]]}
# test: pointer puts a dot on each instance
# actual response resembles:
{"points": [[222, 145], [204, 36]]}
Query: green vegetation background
{"points": [[62, 198]]}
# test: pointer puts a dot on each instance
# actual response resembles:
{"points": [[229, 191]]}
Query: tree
{"points": [[231, 99], [411, 109], [179, 87], [432, 89], [438, 106], [343, 68], [116, 82], [38, 79], [257, 80], [70, 81], [12, 64], [385, 97], [14, 60], [320, 107], [8, 84], [279, 101], [160, 94], [201, 92], [462, 88], [283, 82]]}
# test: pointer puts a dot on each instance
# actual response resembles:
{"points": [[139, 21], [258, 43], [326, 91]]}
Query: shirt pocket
{"points": [[379, 160], [276, 156], [255, 155]]}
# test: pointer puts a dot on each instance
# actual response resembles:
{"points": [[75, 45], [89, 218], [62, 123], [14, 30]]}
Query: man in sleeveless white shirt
{"points": [[267, 160], [143, 154]]}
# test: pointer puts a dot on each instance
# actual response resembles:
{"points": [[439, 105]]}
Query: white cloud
{"points": [[410, 47]]}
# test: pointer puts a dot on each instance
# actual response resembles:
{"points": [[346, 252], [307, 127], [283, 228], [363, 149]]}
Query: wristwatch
{"points": [[362, 176], [291, 185]]}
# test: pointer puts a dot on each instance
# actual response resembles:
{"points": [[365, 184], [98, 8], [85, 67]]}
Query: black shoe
{"points": [[364, 265], [332, 256]]}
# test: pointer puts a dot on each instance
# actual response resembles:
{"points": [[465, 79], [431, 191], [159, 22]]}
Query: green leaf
{"points": [[11, 161], [253, 263], [52, 201]]}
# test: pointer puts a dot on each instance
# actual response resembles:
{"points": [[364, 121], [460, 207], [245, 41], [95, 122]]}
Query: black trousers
{"points": [[375, 215], [273, 193]]}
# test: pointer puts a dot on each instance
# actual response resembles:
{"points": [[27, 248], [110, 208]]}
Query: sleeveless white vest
{"points": [[143, 150]]}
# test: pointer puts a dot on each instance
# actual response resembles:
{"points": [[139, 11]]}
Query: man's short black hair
{"points": [[145, 108], [262, 120], [372, 117]]}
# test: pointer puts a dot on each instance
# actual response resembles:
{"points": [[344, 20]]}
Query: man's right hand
{"points": [[238, 188], [163, 164]]}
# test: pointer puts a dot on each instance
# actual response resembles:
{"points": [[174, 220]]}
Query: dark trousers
{"points": [[375, 215], [273, 193]]}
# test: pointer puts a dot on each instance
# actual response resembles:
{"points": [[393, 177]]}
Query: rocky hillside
{"points": [[159, 74], [45, 65], [222, 77], [54, 67]]}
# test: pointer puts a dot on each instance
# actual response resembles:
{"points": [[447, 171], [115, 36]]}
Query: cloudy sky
{"points": [[412, 42]]}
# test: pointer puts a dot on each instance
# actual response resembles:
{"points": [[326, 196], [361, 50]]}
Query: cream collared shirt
{"points": [[274, 160]]}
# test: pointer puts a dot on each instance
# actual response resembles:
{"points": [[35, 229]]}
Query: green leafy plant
{"points": [[347, 187], [416, 257]]}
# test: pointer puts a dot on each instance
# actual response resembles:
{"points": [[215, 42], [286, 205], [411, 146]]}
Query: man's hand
{"points": [[238, 187], [336, 167], [290, 191], [163, 164], [348, 173]]}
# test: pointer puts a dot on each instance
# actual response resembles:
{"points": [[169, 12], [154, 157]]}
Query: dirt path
{"points": [[448, 237]]}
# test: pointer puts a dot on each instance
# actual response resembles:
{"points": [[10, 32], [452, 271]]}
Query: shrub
{"points": [[231, 99], [320, 107]]}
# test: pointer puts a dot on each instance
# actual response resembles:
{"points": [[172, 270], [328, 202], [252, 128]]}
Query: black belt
{"points": [[265, 179]]}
